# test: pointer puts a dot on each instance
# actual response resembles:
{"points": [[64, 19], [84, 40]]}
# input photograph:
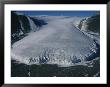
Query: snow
{"points": [[84, 24], [32, 24], [59, 42]]}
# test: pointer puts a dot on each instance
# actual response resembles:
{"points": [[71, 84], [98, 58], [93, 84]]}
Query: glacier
{"points": [[58, 42]]}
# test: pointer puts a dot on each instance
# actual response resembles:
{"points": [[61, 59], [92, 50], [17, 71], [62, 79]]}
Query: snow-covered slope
{"points": [[58, 42]]}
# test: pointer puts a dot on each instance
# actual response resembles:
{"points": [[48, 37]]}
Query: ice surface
{"points": [[59, 42]]}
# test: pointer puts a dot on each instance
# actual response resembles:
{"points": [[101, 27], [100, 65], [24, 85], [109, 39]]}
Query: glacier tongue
{"points": [[59, 42]]}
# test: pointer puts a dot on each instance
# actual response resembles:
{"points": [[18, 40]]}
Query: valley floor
{"points": [[22, 70]]}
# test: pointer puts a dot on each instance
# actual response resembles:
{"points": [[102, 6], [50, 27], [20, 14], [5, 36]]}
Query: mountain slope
{"points": [[90, 24], [21, 25]]}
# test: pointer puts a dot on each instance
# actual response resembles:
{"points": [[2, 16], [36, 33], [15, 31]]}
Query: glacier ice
{"points": [[59, 42]]}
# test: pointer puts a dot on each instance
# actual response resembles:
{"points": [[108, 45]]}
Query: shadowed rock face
{"points": [[58, 42], [94, 23], [90, 24], [20, 26]]}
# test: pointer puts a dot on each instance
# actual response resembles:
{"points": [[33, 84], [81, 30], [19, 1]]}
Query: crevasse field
{"points": [[57, 48]]}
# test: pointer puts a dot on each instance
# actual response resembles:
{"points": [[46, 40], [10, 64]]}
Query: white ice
{"points": [[59, 42]]}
